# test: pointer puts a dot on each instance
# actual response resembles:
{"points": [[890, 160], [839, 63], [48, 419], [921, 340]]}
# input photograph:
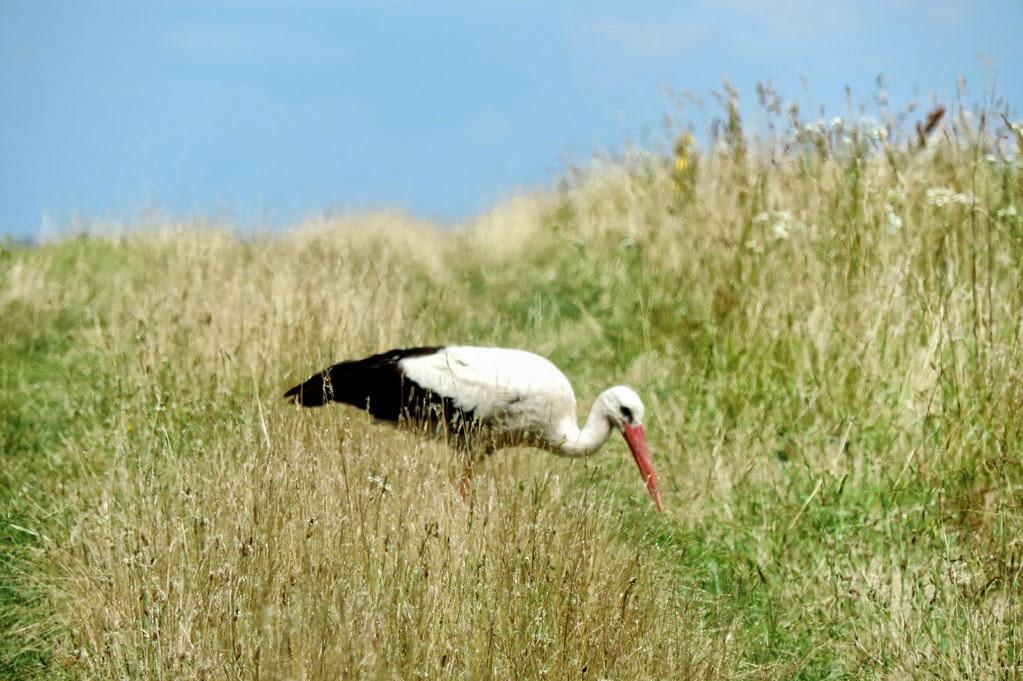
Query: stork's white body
{"points": [[517, 395], [507, 396]]}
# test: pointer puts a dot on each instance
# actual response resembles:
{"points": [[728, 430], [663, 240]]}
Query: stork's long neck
{"points": [[575, 442]]}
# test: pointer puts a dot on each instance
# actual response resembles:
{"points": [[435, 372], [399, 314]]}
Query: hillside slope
{"points": [[825, 329]]}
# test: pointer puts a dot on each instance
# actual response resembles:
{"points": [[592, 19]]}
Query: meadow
{"points": [[823, 319]]}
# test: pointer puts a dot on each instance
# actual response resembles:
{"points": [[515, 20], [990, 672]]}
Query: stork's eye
{"points": [[627, 413]]}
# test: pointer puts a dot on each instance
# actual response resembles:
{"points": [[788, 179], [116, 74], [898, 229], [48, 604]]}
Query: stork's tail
{"points": [[374, 383]]}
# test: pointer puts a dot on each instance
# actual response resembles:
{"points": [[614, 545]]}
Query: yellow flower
{"points": [[682, 145]]}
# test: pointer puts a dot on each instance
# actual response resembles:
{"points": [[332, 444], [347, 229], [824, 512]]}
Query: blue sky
{"points": [[265, 112]]}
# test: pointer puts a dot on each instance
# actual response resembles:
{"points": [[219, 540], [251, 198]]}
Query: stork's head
{"points": [[625, 412]]}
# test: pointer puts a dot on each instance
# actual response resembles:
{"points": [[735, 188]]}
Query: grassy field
{"points": [[824, 322]]}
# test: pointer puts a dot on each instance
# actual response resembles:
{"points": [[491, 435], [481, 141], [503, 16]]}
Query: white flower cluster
{"points": [[874, 128], [1007, 212], [893, 221], [781, 221], [816, 127], [867, 125], [821, 127], [895, 199], [941, 197]]}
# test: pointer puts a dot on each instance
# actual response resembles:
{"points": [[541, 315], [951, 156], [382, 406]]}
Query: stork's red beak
{"points": [[641, 452]]}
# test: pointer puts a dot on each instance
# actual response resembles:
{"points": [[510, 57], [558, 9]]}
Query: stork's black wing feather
{"points": [[374, 383]]}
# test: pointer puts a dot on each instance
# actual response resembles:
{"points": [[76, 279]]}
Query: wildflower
{"points": [[941, 197], [816, 127], [836, 122], [683, 176], [965, 199], [684, 156], [1007, 212], [781, 221], [1017, 128], [783, 216], [782, 224], [683, 143], [894, 222]]}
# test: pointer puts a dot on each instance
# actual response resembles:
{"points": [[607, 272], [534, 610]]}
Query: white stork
{"points": [[486, 398]]}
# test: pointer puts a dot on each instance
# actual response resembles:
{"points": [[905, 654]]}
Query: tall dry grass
{"points": [[214, 531], [824, 322]]}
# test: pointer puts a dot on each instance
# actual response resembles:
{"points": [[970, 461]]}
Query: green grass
{"points": [[833, 402]]}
